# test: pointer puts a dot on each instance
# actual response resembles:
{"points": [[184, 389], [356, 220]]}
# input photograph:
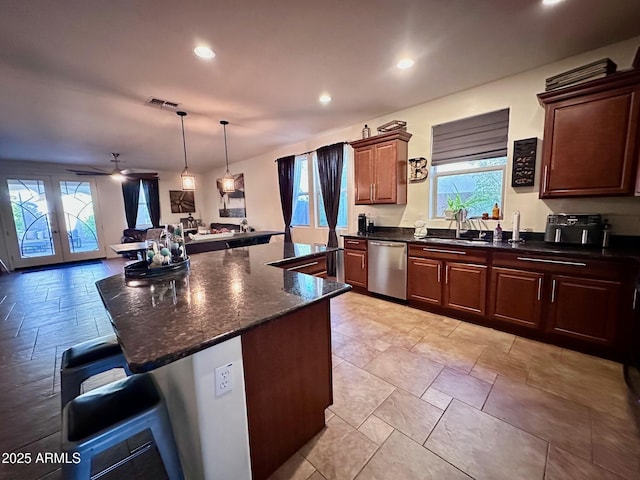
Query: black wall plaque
{"points": [[524, 162]]}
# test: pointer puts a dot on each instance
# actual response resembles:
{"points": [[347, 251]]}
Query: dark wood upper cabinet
{"points": [[381, 168], [592, 138]]}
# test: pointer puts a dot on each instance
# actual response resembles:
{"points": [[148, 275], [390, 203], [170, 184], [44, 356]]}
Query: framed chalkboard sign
{"points": [[524, 162]]}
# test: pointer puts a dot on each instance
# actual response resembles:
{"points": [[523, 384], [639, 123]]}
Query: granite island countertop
{"points": [[223, 294], [537, 247]]}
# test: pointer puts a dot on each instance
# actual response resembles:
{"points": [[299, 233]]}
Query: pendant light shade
{"points": [[228, 182], [188, 180]]}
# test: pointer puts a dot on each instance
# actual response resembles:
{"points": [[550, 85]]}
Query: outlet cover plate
{"points": [[224, 379]]}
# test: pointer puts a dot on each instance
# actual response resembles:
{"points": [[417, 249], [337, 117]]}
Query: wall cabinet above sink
{"points": [[592, 138]]}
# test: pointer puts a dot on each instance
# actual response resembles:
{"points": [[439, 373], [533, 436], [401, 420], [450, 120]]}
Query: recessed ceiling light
{"points": [[204, 52], [405, 63], [325, 98], [551, 2]]}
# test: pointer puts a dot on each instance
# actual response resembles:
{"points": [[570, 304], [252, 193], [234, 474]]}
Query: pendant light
{"points": [[188, 180], [228, 182]]}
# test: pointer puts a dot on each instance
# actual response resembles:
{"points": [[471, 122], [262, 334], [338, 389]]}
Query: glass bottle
{"points": [[366, 132]]}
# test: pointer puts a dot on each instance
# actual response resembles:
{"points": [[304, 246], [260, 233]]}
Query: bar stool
{"points": [[87, 359], [109, 415]]}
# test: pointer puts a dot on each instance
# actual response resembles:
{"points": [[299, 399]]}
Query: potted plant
{"points": [[455, 203]]}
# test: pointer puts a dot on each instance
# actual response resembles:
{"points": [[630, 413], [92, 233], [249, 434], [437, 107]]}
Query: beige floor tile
{"points": [[488, 337], [357, 393], [401, 321], [404, 340], [450, 352], [603, 391], [562, 465], [466, 388], [504, 364], [408, 370], [408, 414], [328, 415], [402, 459], [524, 348], [589, 363], [361, 328], [485, 447], [437, 398], [436, 325], [296, 468], [559, 421], [356, 352], [317, 476], [335, 360], [376, 430], [616, 444], [484, 373], [339, 451]]}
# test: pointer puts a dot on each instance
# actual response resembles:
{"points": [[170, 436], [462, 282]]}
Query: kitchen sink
{"points": [[458, 241]]}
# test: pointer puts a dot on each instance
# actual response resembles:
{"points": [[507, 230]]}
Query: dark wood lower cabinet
{"points": [[465, 287], [355, 267], [585, 309], [424, 280], [515, 296]]}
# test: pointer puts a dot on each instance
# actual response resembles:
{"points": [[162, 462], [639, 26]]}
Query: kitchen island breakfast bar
{"points": [[269, 330]]}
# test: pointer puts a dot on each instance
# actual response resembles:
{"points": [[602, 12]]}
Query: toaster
{"points": [[574, 229]]}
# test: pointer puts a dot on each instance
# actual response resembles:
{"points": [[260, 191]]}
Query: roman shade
{"points": [[473, 138]]}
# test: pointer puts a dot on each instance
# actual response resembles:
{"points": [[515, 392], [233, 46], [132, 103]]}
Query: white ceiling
{"points": [[75, 74]]}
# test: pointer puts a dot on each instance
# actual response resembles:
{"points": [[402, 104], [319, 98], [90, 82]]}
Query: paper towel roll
{"points": [[515, 235]]}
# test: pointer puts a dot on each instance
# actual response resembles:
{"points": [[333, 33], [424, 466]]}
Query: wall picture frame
{"points": [[182, 202], [524, 162]]}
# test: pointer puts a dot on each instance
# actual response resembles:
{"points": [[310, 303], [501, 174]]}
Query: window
{"points": [[144, 219], [307, 187], [468, 164], [300, 215], [342, 209]]}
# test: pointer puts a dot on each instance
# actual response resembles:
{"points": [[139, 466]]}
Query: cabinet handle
{"points": [[635, 298], [446, 274], [371, 192], [544, 179], [353, 242], [553, 292], [437, 250], [439, 268], [557, 262], [362, 261], [394, 245], [540, 289], [302, 266]]}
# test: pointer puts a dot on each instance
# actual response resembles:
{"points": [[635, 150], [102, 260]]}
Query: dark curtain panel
{"points": [[131, 195], [330, 159], [152, 193], [286, 169]]}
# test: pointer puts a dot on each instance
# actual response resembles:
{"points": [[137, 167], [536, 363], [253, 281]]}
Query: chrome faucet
{"points": [[461, 222]]}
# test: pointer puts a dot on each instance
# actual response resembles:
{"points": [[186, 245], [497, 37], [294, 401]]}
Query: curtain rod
{"points": [[311, 151]]}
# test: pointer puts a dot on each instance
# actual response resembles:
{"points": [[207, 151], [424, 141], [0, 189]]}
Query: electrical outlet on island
{"points": [[224, 379]]}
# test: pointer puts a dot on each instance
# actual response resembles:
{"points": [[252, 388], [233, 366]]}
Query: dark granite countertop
{"points": [[535, 246], [223, 294]]}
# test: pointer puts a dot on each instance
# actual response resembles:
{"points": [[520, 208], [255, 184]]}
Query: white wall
{"points": [[517, 92]]}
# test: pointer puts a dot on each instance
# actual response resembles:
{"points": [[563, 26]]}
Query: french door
{"points": [[50, 220]]}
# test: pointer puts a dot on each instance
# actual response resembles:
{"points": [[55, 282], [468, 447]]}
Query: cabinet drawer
{"points": [[447, 252], [355, 243], [311, 265], [570, 265]]}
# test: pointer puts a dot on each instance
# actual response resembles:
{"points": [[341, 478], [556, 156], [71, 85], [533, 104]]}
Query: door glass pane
{"points": [[31, 217], [79, 217]]}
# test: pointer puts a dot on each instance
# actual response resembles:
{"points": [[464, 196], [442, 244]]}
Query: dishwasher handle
{"points": [[395, 244]]}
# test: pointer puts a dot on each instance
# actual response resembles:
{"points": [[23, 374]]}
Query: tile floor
{"points": [[416, 395]]}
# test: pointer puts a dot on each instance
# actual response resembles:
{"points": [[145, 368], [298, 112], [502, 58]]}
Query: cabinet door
{"points": [[465, 287], [355, 267], [516, 296], [363, 173], [425, 280], [591, 145], [385, 175], [583, 308]]}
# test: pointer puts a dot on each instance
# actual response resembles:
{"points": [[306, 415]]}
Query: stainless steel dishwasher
{"points": [[387, 268]]}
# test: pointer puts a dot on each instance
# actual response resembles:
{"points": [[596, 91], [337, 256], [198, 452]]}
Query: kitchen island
{"points": [[268, 327]]}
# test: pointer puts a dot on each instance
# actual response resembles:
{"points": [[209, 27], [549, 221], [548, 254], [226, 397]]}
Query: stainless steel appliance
{"points": [[574, 229], [387, 268], [362, 224]]}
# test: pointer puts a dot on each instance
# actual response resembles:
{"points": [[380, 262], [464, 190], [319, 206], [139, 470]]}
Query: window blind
{"points": [[473, 138]]}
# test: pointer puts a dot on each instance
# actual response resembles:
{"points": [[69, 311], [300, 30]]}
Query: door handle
{"points": [[539, 288], [446, 274], [553, 292], [439, 268], [362, 261]]}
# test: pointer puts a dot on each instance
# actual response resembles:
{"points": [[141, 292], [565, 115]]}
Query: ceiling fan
{"points": [[116, 173]]}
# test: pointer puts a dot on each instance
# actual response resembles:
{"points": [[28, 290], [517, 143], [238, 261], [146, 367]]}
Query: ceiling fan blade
{"points": [[142, 175], [87, 172]]}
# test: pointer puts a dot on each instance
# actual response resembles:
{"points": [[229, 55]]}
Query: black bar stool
{"points": [[87, 359], [109, 415]]}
